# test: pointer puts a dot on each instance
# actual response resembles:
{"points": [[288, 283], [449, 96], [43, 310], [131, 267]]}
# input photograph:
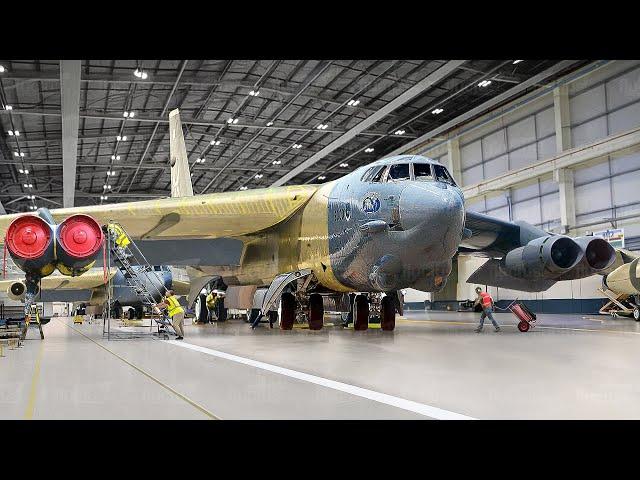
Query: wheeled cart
{"points": [[527, 317]]}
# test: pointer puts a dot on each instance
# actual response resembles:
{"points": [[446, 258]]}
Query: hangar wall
{"points": [[601, 103]]}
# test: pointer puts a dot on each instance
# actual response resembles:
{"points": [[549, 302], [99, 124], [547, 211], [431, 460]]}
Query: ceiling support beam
{"points": [[564, 176], [70, 71], [401, 99]]}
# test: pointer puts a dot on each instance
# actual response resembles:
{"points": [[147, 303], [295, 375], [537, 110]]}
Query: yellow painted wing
{"points": [[94, 278], [226, 214]]}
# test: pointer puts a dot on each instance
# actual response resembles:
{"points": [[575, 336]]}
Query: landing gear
{"points": [[636, 314], [221, 312], [201, 311], [388, 314], [361, 313], [316, 312], [287, 311], [139, 312], [116, 310], [131, 314]]}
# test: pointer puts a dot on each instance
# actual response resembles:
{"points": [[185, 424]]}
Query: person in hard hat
{"points": [[486, 302], [175, 311], [212, 299]]}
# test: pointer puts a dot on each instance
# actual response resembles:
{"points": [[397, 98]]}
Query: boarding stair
{"points": [[139, 275]]}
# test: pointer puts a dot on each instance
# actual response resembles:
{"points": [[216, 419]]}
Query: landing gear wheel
{"points": [[636, 314], [221, 312], [287, 311], [117, 311], [139, 313], [388, 310], [523, 326], [316, 312], [131, 314], [201, 311], [361, 313]]}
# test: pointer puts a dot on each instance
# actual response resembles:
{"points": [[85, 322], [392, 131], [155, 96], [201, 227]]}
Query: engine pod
{"points": [[30, 241], [79, 239]]}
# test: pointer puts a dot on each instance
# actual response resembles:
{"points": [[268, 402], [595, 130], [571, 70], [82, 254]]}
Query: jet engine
{"points": [[598, 256], [546, 257], [38, 246], [31, 243], [624, 280], [18, 290], [79, 239]]}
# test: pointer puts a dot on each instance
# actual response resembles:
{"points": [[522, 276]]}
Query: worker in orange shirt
{"points": [[486, 302]]}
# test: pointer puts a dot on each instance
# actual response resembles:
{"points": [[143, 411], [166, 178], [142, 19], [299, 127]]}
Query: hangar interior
{"points": [[554, 143]]}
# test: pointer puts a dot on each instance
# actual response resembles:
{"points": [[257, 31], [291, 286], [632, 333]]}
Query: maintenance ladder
{"points": [[139, 275]]}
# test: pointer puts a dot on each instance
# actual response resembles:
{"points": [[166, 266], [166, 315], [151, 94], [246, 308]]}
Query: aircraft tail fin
{"points": [[180, 176]]}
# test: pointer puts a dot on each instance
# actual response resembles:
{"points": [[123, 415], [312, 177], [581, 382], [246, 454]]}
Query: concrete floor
{"points": [[432, 366]]}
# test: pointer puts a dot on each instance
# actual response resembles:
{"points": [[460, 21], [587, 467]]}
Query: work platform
{"points": [[432, 366]]}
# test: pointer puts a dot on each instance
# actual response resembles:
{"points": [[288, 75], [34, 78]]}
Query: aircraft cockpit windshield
{"points": [[398, 172]]}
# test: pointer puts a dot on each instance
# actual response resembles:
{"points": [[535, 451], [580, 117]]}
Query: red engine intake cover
{"points": [[28, 237], [80, 236]]}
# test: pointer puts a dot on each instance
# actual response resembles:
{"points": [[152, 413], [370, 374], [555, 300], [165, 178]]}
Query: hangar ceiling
{"points": [[248, 123]]}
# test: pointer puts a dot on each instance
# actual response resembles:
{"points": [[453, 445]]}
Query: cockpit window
{"points": [[399, 171], [443, 175], [368, 174], [377, 173], [422, 171]]}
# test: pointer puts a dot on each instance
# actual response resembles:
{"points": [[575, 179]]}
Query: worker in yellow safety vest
{"points": [[121, 239], [175, 311], [212, 299]]}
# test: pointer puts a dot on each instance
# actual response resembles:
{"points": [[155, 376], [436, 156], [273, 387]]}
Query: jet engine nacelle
{"points": [[624, 280], [37, 247], [598, 256], [546, 257], [17, 291]]}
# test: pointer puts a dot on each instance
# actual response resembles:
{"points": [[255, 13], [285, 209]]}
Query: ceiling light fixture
{"points": [[296, 146], [2, 69], [269, 124], [8, 107], [259, 175], [215, 142], [369, 150], [484, 83], [243, 188], [436, 111], [353, 102], [323, 126], [322, 177], [399, 132], [515, 62], [276, 162], [344, 165], [12, 133], [254, 93]]}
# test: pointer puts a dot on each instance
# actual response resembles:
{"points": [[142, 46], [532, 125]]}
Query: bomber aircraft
{"points": [[346, 245]]}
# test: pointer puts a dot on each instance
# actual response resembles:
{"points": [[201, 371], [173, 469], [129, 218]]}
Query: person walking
{"points": [[211, 301], [486, 302], [175, 311]]}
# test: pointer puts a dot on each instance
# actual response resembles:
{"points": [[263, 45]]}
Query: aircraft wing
{"points": [[216, 215], [489, 236], [89, 280]]}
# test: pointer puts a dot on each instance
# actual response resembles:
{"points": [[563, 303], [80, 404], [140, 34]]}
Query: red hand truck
{"points": [[527, 317]]}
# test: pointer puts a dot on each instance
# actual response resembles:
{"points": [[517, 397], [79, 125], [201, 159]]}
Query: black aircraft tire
{"points": [[131, 314], [287, 311], [388, 310], [316, 312], [117, 312], [636, 314], [361, 313], [139, 313], [202, 314], [221, 312]]}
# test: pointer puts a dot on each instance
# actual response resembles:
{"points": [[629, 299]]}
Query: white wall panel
{"points": [[626, 188], [524, 192], [550, 207], [522, 132], [494, 144], [472, 175], [591, 173], [547, 148], [529, 211], [471, 154], [589, 132], [501, 213], [592, 197], [496, 167], [545, 123], [624, 119], [522, 157], [587, 105], [476, 206], [625, 163], [548, 186], [498, 201], [624, 89]]}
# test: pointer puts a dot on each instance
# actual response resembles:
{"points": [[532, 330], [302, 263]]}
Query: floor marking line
{"points": [[409, 405], [31, 404], [148, 375]]}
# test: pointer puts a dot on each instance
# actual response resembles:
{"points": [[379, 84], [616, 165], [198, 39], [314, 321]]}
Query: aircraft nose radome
{"points": [[431, 205]]}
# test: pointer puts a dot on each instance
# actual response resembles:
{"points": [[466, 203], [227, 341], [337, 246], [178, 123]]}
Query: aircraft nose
{"points": [[438, 208]]}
